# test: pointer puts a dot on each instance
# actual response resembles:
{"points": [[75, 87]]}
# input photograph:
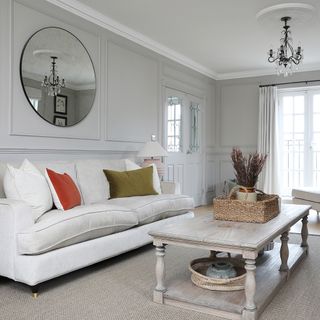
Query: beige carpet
{"points": [[121, 289]]}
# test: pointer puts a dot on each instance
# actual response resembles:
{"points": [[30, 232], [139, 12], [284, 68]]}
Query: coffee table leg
{"points": [[284, 251], [160, 275], [249, 312], [304, 233]]}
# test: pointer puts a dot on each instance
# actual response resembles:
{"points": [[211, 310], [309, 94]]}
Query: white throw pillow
{"points": [[29, 185], [130, 165]]}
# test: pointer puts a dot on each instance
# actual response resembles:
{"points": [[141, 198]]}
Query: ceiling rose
{"points": [[299, 12]]}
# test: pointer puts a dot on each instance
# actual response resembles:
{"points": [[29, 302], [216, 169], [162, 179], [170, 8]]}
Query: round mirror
{"points": [[57, 76]]}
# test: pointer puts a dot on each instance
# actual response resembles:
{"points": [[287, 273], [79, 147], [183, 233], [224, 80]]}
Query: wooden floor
{"points": [[313, 225]]}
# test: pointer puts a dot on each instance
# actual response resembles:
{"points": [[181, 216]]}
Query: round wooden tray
{"points": [[198, 268]]}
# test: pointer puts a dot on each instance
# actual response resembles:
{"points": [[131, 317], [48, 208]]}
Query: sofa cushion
{"points": [[92, 181], [309, 194], [130, 183], [130, 165], [59, 228], [28, 184], [60, 167], [64, 191], [156, 207]]}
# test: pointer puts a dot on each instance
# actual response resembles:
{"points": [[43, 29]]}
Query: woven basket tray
{"points": [[198, 268], [228, 208]]}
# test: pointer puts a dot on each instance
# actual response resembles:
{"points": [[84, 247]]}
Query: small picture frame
{"points": [[60, 104], [60, 121]]}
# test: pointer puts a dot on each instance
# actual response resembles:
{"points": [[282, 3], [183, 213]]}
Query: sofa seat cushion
{"points": [[309, 194], [155, 207], [59, 228]]}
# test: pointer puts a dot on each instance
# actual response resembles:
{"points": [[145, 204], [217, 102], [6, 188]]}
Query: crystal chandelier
{"points": [[53, 84], [286, 58]]}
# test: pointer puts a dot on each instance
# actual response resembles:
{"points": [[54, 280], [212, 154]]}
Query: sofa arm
{"points": [[15, 216], [170, 187]]}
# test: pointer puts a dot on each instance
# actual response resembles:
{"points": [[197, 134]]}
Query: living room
{"points": [[175, 84]]}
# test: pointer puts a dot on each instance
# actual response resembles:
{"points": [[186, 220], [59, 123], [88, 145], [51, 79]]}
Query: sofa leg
{"points": [[34, 290]]}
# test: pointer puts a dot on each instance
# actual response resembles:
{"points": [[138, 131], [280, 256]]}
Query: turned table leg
{"points": [[160, 275], [304, 233], [249, 312], [284, 251]]}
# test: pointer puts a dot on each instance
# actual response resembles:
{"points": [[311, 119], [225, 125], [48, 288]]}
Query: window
{"points": [[299, 132], [174, 125]]}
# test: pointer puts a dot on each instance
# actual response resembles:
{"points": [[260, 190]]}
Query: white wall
{"points": [[236, 120], [128, 107]]}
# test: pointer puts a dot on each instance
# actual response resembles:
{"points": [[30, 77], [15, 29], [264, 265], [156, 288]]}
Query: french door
{"points": [[183, 136], [299, 124]]}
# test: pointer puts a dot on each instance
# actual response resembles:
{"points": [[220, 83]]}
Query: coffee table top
{"points": [[204, 230]]}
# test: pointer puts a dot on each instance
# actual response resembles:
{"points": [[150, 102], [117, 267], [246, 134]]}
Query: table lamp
{"points": [[152, 152]]}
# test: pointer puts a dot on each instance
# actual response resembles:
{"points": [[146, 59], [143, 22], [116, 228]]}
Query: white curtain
{"points": [[267, 139]]}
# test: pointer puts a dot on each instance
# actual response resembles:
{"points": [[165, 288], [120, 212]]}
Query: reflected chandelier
{"points": [[286, 58], [53, 84]]}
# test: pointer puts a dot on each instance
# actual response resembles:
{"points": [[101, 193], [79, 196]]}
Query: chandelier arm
{"points": [[296, 62]]}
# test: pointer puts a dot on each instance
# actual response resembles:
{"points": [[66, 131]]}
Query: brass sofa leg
{"points": [[35, 291]]}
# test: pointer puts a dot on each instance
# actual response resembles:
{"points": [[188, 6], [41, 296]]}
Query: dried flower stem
{"points": [[248, 169]]}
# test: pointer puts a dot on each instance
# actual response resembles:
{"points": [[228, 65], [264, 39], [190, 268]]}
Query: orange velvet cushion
{"points": [[64, 191]]}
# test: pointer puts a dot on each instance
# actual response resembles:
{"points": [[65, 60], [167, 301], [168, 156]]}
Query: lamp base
{"points": [[159, 165]]}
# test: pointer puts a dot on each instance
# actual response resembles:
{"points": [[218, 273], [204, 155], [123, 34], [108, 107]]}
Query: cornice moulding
{"points": [[105, 22]]}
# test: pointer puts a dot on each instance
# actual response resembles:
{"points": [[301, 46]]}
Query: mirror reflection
{"points": [[57, 76]]}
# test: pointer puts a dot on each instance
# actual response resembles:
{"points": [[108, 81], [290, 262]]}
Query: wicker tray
{"points": [[229, 208], [198, 268]]}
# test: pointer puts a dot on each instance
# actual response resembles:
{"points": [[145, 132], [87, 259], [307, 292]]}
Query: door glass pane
{"points": [[194, 127], [292, 108], [316, 122], [174, 124], [316, 103], [299, 104]]}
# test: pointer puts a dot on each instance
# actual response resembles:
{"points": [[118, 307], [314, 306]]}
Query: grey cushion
{"points": [[309, 194], [156, 207], [59, 228]]}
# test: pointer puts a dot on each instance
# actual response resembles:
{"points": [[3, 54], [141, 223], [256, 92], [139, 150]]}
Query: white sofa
{"points": [[310, 196], [63, 241]]}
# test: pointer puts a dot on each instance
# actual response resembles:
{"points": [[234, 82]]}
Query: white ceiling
{"points": [[220, 38]]}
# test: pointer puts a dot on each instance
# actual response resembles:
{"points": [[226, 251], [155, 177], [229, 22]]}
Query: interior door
{"points": [[183, 137]]}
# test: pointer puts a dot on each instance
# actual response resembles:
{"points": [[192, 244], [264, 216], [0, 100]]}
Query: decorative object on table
{"points": [[286, 58], [53, 84], [234, 282], [152, 152], [60, 104], [221, 270], [60, 121], [229, 208], [247, 170]]}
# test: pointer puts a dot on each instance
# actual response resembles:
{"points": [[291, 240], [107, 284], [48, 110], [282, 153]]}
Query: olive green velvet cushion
{"points": [[130, 183]]}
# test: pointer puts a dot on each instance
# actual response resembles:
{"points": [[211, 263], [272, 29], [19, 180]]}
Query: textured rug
{"points": [[121, 289]]}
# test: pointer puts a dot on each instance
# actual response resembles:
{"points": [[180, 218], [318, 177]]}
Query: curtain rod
{"points": [[284, 83]]}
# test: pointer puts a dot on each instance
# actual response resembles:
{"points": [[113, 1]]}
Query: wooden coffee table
{"points": [[265, 274]]}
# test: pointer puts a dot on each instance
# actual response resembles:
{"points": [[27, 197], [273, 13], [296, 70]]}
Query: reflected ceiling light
{"points": [[53, 84], [286, 58]]}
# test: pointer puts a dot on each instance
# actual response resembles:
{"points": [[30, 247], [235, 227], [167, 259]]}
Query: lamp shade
{"points": [[152, 149]]}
